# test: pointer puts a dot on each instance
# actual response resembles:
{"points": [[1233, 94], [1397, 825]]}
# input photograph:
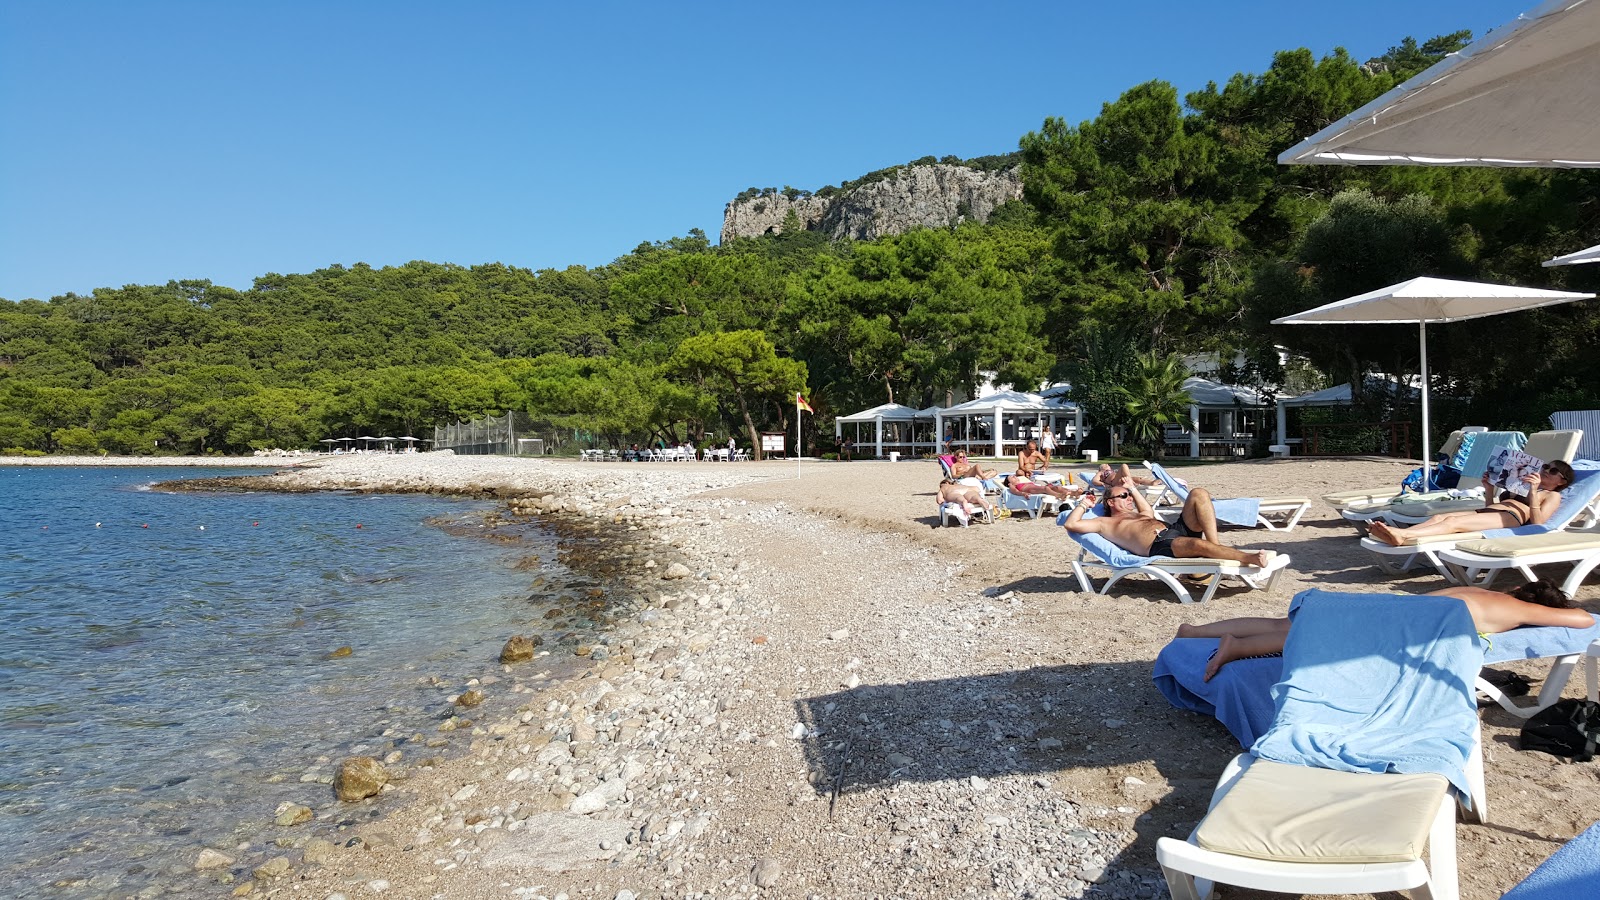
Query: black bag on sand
{"points": [[1569, 728]]}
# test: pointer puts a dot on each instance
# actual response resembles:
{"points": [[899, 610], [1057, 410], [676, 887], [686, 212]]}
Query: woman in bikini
{"points": [[961, 467], [1509, 511], [1018, 483]]}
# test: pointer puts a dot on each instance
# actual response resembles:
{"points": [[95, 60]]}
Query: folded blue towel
{"points": [[1240, 697], [1393, 696], [1572, 873], [1244, 511]]}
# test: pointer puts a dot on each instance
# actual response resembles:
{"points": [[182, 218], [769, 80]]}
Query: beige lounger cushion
{"points": [[1285, 501], [1295, 814], [1426, 539], [1532, 544]]}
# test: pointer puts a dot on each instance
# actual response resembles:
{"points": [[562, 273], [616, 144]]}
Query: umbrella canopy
{"points": [[889, 412], [1424, 300], [408, 438], [1522, 95], [1591, 255]]}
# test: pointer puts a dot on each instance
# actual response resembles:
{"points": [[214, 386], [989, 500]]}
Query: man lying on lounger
{"points": [[1535, 603], [1132, 525]]}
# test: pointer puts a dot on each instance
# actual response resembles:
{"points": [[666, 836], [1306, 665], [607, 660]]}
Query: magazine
{"points": [[1507, 467]]}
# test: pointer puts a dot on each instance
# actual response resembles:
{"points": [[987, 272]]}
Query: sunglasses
{"points": [[1120, 496]]}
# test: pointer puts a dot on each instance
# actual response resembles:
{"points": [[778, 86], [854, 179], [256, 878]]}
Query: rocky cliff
{"points": [[907, 197]]}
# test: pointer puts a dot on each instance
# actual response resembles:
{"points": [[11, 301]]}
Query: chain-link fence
{"points": [[512, 434]]}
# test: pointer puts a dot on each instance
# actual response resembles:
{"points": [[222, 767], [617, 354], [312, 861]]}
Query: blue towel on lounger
{"points": [[1240, 697], [1394, 695], [1241, 511], [1572, 873]]}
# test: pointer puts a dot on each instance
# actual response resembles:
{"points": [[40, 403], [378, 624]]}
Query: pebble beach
{"points": [[816, 692]]}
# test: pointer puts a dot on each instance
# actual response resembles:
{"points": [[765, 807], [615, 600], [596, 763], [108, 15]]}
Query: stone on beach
{"points": [[520, 648], [211, 859], [290, 813], [556, 842], [676, 571], [358, 778]]}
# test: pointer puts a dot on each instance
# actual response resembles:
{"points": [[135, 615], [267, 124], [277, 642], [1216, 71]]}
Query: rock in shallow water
{"points": [[519, 648], [358, 778], [211, 859], [292, 814]]}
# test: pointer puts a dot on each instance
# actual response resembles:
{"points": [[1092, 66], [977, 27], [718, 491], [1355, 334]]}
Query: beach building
{"points": [[1225, 420], [891, 428], [1001, 423]]}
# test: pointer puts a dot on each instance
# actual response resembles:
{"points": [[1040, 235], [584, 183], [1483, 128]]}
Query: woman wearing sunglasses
{"points": [[1509, 511]]}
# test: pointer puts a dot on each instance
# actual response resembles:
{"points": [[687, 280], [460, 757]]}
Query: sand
{"points": [[846, 700]]}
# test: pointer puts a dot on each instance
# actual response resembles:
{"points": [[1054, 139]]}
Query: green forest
{"points": [[1162, 226]]}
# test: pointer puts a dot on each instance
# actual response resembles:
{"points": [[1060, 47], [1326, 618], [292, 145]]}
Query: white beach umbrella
{"points": [[1424, 300], [1525, 94], [1591, 255]]}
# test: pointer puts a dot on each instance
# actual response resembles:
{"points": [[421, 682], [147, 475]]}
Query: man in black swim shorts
{"points": [[1131, 524], [1162, 545]]}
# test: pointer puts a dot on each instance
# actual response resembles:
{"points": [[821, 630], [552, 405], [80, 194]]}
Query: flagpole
{"points": [[797, 448]]}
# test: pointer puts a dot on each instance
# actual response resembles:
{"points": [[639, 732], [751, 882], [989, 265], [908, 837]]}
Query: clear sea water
{"points": [[165, 678]]}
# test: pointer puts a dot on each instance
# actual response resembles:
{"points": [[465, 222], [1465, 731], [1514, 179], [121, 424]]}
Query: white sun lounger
{"points": [[1580, 504], [1095, 552], [1273, 514], [1032, 504]]}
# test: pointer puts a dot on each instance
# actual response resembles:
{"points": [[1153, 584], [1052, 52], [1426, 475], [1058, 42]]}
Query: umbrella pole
{"points": [[1422, 338]]}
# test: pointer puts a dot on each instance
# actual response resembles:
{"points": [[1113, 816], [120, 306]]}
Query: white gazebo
{"points": [[893, 426], [1001, 423], [1225, 416]]}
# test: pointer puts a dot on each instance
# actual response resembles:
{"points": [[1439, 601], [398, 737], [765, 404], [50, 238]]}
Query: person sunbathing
{"points": [[1535, 603], [1131, 524], [961, 467], [970, 498], [1107, 477], [1509, 511], [1021, 484]]}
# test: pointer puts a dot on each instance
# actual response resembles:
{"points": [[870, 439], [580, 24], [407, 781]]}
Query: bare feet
{"points": [[1225, 654], [1383, 532], [1261, 558]]}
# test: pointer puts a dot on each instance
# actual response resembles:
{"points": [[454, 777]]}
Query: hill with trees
{"points": [[1162, 225]]}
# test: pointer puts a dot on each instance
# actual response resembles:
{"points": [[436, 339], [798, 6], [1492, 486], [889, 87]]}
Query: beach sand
{"points": [[840, 699]]}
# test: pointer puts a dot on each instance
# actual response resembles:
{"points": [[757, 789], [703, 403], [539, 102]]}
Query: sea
{"points": [[172, 664]]}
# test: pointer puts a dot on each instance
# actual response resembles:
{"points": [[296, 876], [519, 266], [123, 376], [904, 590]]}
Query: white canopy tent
{"points": [[989, 424], [1522, 95], [1591, 255], [901, 424], [1424, 300]]}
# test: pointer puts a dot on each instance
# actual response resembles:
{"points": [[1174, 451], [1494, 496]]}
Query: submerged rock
{"points": [[469, 699], [358, 778], [211, 859], [292, 814], [519, 648]]}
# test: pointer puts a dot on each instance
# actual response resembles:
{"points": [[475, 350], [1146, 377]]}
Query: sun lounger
{"points": [[1240, 696], [1570, 873], [1032, 504], [952, 510], [1479, 562], [1546, 445], [1248, 512], [1374, 728], [1340, 500], [1095, 552], [1483, 446], [1580, 505]]}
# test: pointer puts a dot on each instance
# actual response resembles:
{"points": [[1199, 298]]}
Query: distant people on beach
{"points": [[961, 467], [845, 449], [1107, 477], [1493, 612], [1021, 484], [970, 498], [1508, 511], [1030, 461], [1047, 446], [1131, 524]]}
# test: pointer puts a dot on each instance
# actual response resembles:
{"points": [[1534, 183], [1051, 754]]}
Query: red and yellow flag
{"points": [[800, 401]]}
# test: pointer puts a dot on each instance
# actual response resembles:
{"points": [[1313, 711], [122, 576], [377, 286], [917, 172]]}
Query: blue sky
{"points": [[142, 142]]}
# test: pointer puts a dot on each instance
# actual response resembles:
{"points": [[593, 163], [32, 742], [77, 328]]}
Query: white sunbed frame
{"points": [[1554, 684], [945, 515], [1293, 508], [1032, 504], [1191, 870], [1167, 571]]}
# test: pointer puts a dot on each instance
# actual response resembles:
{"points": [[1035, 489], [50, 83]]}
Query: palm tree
{"points": [[1156, 399]]}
